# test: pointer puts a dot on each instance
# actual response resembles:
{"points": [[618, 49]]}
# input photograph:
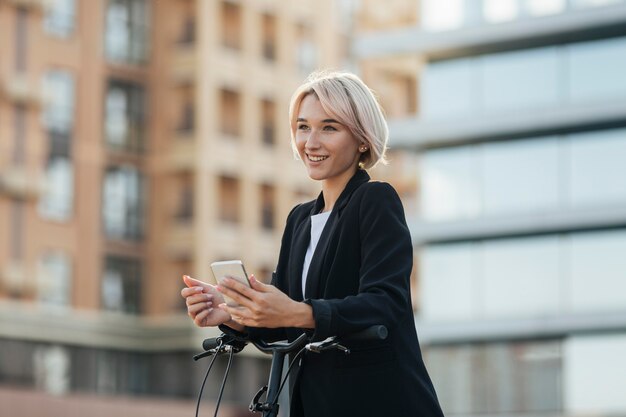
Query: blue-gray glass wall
{"points": [[521, 133]]}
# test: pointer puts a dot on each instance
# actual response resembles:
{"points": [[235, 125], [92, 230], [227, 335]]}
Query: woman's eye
{"points": [[302, 127], [330, 128]]}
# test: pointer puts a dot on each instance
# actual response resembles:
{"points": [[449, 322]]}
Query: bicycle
{"points": [[231, 344]]}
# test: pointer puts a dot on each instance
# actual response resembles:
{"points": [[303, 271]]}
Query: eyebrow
{"points": [[300, 119]]}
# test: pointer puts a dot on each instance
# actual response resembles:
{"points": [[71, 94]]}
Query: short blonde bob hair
{"points": [[348, 100]]}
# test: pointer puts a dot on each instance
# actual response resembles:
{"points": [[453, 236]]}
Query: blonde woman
{"points": [[344, 265]]}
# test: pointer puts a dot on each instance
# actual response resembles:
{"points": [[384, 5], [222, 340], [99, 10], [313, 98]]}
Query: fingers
{"points": [[195, 309], [258, 285], [201, 316], [187, 292], [237, 291], [192, 282], [238, 313], [199, 298]]}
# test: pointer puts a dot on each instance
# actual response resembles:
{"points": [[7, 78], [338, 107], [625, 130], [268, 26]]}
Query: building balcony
{"points": [[182, 155], [184, 63], [181, 239], [35, 5], [21, 183], [570, 25], [13, 279], [20, 90]]}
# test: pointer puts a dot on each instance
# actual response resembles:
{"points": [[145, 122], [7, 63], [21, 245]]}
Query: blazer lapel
{"points": [[316, 277]]}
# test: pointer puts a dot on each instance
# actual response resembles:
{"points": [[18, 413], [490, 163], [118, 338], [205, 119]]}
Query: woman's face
{"points": [[327, 148]]}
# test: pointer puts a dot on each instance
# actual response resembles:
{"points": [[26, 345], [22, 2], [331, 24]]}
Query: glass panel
{"points": [[126, 35], [583, 4], [54, 280], [598, 271], [121, 285], [124, 124], [60, 17], [589, 359], [596, 70], [452, 370], [597, 169], [52, 369], [123, 203], [521, 80], [521, 277], [498, 11], [448, 89], [545, 7], [497, 378], [448, 282], [58, 200], [450, 184], [439, 15], [58, 115], [520, 176]]}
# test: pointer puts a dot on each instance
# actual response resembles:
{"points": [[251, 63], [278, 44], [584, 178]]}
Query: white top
{"points": [[318, 221]]}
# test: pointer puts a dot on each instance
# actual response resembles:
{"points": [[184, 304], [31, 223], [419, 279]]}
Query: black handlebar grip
{"points": [[211, 343], [377, 332]]}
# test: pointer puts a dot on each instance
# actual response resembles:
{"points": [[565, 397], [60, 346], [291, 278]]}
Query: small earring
{"points": [[363, 148]]}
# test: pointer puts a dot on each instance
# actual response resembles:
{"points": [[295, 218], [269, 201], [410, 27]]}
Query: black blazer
{"points": [[358, 277]]}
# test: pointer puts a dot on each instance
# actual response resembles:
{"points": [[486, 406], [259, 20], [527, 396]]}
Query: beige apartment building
{"points": [[139, 141]]}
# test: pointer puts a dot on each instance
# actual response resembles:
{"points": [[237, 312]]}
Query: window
{"points": [[229, 199], [597, 265], [596, 168], [439, 15], [188, 32], [123, 200], [54, 279], [520, 176], [267, 207], [187, 116], [58, 120], [449, 89], [184, 210], [450, 184], [60, 18], [52, 367], [125, 110], [230, 106], [521, 80], [231, 25], [596, 70], [306, 51], [58, 115], [121, 285], [268, 114], [495, 378], [58, 200], [521, 277], [127, 31], [269, 37]]}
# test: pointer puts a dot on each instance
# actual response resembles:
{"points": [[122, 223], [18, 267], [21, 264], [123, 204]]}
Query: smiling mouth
{"points": [[316, 158]]}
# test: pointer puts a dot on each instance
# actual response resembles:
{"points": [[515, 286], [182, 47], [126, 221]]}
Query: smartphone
{"points": [[232, 269]]}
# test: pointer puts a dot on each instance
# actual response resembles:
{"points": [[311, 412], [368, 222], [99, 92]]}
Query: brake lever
{"points": [[327, 344]]}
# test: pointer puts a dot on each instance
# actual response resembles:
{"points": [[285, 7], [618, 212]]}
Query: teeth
{"points": [[317, 158]]}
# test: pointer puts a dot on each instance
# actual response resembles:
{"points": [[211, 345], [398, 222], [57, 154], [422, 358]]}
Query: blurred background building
{"points": [[516, 110], [141, 140]]}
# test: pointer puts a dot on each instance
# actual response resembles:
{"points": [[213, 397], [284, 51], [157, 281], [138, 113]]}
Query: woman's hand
{"points": [[201, 298], [263, 305]]}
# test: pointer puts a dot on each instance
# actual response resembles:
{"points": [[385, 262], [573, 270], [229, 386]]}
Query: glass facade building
{"points": [[520, 229]]}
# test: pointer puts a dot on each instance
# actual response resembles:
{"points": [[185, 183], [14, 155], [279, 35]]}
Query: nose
{"points": [[312, 141]]}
